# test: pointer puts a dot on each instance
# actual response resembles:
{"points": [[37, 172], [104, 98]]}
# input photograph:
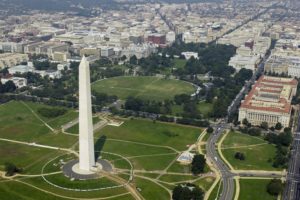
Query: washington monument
{"points": [[86, 137]]}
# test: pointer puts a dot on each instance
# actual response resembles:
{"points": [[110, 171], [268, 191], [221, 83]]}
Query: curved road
{"points": [[212, 154]]}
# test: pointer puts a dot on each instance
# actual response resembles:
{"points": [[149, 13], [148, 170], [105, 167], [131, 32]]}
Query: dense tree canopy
{"points": [[187, 191], [275, 187], [9, 86], [198, 164]]}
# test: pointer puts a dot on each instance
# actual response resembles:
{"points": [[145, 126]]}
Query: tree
{"points": [[187, 191], [278, 126], [245, 122], [123, 58], [254, 131], [210, 130], [275, 187], [285, 138], [198, 164], [182, 98], [51, 112], [264, 125], [11, 169], [239, 156], [9, 86], [4, 71], [133, 60]]}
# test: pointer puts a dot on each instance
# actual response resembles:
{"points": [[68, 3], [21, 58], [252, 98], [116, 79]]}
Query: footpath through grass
{"points": [[156, 133], [258, 153], [20, 121]]}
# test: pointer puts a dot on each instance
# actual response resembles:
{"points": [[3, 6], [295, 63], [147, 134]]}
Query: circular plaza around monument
{"points": [[72, 170], [70, 174]]}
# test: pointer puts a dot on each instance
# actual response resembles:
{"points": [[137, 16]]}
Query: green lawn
{"points": [[176, 167], [205, 108], [56, 122], [142, 157], [254, 189], [75, 128], [24, 192], [150, 190], [205, 183], [18, 122], [175, 178], [258, 155], [30, 159], [216, 192], [152, 163], [146, 131], [39, 182], [63, 181], [133, 149], [146, 87], [148, 145], [179, 63]]}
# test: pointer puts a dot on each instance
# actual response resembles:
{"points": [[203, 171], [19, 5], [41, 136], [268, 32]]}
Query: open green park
{"points": [[148, 148], [258, 152], [254, 189], [145, 87]]}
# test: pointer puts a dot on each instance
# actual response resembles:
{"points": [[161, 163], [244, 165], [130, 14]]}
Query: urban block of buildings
{"points": [[11, 59], [269, 101]]}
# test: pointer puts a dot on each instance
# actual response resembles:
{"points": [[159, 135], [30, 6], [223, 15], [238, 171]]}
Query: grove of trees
{"points": [[187, 191]]}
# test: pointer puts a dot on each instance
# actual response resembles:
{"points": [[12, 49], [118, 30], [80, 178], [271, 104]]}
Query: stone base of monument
{"points": [[71, 170]]}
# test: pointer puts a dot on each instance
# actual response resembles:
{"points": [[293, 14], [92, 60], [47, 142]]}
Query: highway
{"points": [[292, 189]]}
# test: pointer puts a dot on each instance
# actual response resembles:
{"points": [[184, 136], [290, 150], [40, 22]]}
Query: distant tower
{"points": [[86, 137]]}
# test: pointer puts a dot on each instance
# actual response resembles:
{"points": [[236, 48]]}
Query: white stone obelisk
{"points": [[86, 138]]}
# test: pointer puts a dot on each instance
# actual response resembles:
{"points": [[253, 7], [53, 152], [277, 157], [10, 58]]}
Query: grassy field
{"points": [[205, 183], [149, 88], [215, 194], [157, 133], [147, 145], [175, 178], [8, 190], [254, 189], [150, 190], [75, 128], [30, 159], [258, 153], [205, 108], [18, 122], [179, 63]]}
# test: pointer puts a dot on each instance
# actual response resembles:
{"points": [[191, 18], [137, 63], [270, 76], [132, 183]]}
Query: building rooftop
{"points": [[271, 94]]}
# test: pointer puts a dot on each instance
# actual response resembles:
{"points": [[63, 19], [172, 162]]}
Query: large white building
{"points": [[188, 55], [18, 81], [248, 62], [21, 69], [269, 101], [12, 59]]}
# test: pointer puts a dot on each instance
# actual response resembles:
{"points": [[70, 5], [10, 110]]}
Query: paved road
{"points": [[292, 190], [213, 156]]}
